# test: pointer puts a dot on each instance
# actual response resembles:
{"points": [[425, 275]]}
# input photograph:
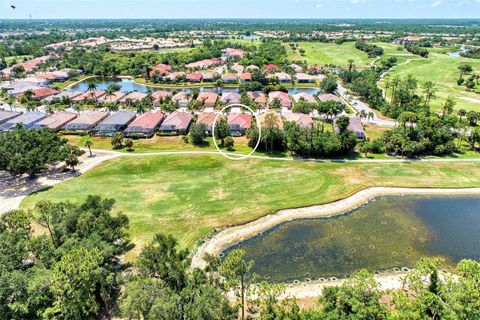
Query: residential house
{"points": [[229, 77], [208, 99], [233, 54], [272, 68], [296, 67], [133, 97], [282, 97], [304, 78], [237, 68], [305, 96], [204, 64], [278, 119], [7, 115], [354, 125], [42, 93], [210, 77], [55, 121], [303, 120], [329, 97], [145, 124], [116, 122], [239, 123], [207, 118], [176, 123], [182, 98], [89, 95], [246, 77], [86, 121], [194, 77], [63, 94], [230, 98], [252, 68], [160, 70], [160, 96], [115, 97], [174, 76], [27, 120], [258, 97]]}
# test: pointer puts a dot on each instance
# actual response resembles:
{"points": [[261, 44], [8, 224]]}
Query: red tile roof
{"points": [[44, 92], [242, 120], [272, 67], [148, 120]]}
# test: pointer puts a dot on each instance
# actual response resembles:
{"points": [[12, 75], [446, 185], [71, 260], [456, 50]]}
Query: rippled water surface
{"points": [[389, 232]]}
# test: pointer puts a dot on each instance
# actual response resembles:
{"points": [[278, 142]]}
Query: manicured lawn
{"points": [[443, 70], [329, 53], [63, 84], [189, 196], [157, 143], [17, 58]]}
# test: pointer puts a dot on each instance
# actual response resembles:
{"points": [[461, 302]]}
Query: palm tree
{"points": [[370, 116], [89, 145], [350, 64], [92, 87], [11, 103], [77, 107], [110, 92], [28, 94], [429, 90]]}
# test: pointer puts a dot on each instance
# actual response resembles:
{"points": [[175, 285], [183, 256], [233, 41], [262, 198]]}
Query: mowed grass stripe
{"points": [[189, 196]]}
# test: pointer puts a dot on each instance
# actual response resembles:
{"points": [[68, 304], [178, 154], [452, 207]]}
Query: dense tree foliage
{"points": [[68, 272], [412, 48], [371, 49], [31, 151]]}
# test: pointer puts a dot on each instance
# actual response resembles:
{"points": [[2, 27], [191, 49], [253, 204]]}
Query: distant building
{"points": [[354, 125], [115, 123]]}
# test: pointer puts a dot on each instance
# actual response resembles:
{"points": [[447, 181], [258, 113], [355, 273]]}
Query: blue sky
{"points": [[241, 9]]}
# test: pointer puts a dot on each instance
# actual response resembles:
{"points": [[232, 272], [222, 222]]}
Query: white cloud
{"points": [[320, 5]]}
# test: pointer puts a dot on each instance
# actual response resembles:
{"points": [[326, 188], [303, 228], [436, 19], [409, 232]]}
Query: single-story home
{"points": [[207, 118], [176, 123], [272, 68], [55, 121], [42, 93], [209, 99], [116, 97], [86, 121], [329, 97], [238, 68], [354, 125], [296, 67], [89, 95], [27, 120], [61, 95], [174, 76], [160, 96], [281, 96], [304, 78], [245, 77], [160, 69], [7, 115], [277, 117], [230, 97], [210, 77], [305, 96], [252, 68], [116, 122], [231, 53], [146, 124], [18, 87], [182, 98], [239, 123], [303, 120], [229, 77], [194, 77], [132, 97], [258, 97], [204, 64], [281, 77]]}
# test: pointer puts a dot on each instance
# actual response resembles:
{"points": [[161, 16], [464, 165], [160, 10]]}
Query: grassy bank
{"points": [[190, 196]]}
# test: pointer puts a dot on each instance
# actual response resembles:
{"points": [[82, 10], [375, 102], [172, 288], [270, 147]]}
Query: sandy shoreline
{"points": [[228, 237]]}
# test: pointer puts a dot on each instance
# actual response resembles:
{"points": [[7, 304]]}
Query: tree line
{"points": [[74, 269]]}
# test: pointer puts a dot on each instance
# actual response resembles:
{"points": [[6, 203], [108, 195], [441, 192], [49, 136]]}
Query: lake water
{"points": [[389, 232], [128, 85]]}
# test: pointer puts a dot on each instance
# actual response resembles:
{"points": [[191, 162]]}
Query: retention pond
{"points": [[389, 233]]}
